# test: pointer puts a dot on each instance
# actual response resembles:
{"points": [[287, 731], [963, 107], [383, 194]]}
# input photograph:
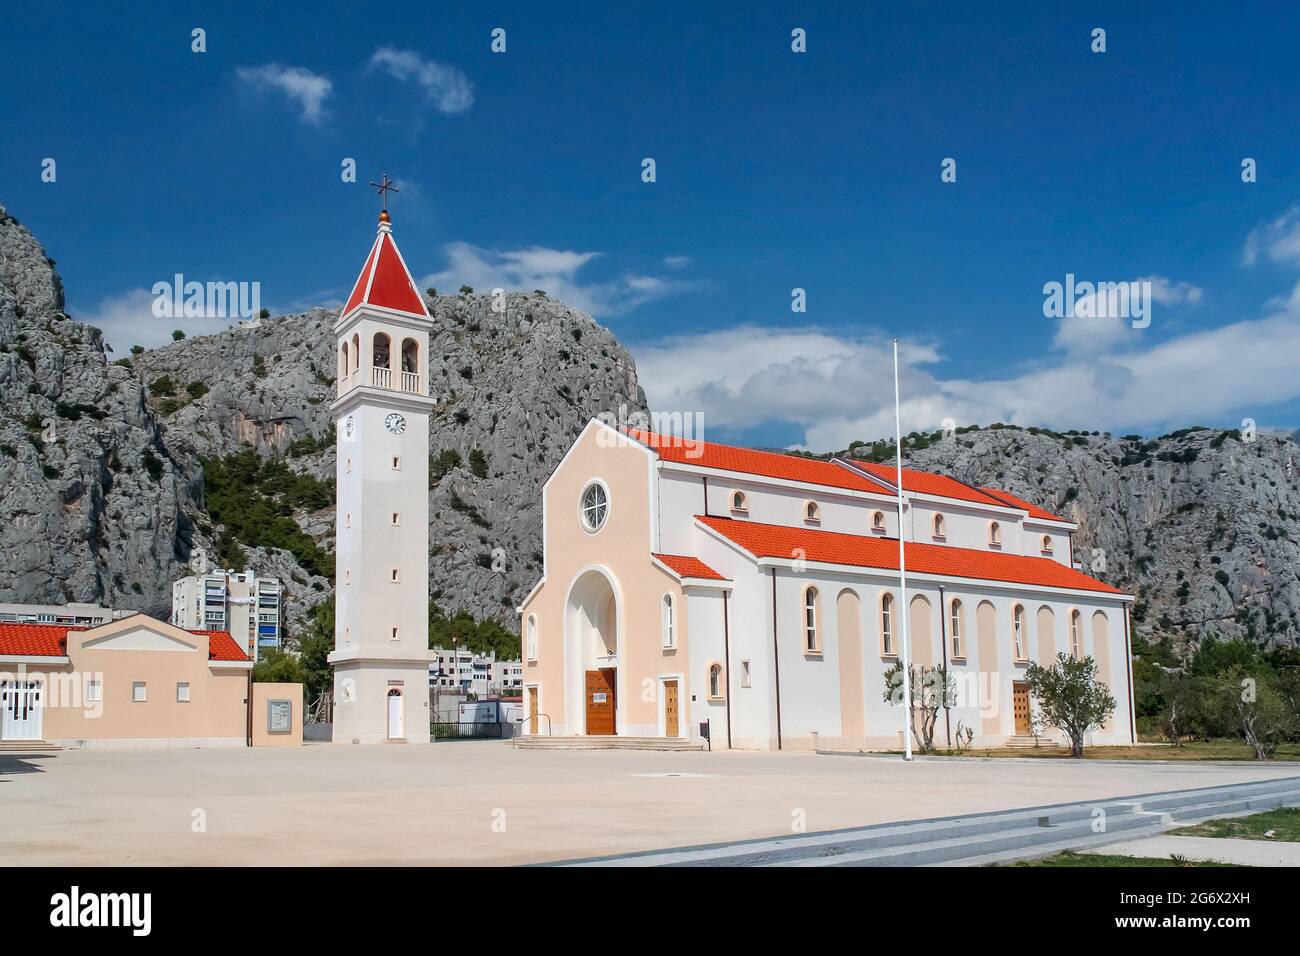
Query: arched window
{"points": [[878, 522], [937, 525], [1018, 630], [955, 628], [343, 363], [383, 346], [532, 637], [1047, 544], [995, 535], [811, 616], [356, 351], [410, 365], [715, 680], [668, 624], [739, 501], [811, 511], [887, 625], [1076, 635]]}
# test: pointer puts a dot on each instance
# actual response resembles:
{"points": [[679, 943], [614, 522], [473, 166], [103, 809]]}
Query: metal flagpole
{"points": [[902, 570]]}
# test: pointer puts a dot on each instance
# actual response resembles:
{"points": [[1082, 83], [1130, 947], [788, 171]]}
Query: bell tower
{"points": [[381, 579]]}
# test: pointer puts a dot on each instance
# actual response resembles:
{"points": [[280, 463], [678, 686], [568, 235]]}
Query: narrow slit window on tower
{"points": [[394, 636], [397, 518], [397, 463], [396, 575]]}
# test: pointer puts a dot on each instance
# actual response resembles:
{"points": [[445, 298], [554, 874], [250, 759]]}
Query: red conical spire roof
{"points": [[385, 281]]}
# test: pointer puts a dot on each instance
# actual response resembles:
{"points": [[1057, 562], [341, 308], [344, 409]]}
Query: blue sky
{"points": [[775, 170]]}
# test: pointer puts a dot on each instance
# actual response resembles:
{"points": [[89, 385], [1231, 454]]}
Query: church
{"points": [[691, 589]]}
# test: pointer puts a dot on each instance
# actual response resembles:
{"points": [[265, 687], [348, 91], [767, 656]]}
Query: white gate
{"points": [[20, 710]]}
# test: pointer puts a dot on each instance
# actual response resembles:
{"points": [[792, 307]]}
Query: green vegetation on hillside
{"points": [[255, 500], [479, 636]]}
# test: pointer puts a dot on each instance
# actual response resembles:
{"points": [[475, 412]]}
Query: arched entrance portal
{"points": [[591, 641], [396, 728]]}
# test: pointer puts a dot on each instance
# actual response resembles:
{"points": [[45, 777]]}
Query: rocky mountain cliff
{"points": [[112, 508], [95, 504], [103, 481]]}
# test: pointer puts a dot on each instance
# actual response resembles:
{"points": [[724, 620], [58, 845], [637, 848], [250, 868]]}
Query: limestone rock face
{"points": [[1201, 525], [101, 485], [517, 386], [95, 505]]}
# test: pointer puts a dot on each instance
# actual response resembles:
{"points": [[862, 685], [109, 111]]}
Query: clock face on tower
{"points": [[395, 423]]}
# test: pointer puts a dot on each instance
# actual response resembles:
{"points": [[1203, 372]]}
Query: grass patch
{"points": [[1193, 750], [1284, 823], [1070, 859]]}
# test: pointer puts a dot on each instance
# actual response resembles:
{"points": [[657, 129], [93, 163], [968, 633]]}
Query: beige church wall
{"points": [[920, 632], [1047, 644], [122, 653], [992, 717], [1101, 654], [620, 551], [848, 632], [263, 693]]}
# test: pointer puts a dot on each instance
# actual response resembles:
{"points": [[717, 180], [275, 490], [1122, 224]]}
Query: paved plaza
{"points": [[485, 803]]}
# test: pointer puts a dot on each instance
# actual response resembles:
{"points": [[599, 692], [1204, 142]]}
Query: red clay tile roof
{"points": [[831, 547], [688, 567], [925, 483], [34, 640], [748, 461], [51, 640], [222, 647], [1034, 510], [391, 285]]}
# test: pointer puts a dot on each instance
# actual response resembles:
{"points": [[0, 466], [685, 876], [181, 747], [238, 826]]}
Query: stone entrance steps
{"points": [[27, 747], [528, 742], [985, 838]]}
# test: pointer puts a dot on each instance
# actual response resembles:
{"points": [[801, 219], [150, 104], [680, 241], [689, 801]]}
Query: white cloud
{"points": [[554, 271], [1279, 240], [840, 387], [1095, 326], [127, 319], [677, 262], [1167, 292], [448, 88], [309, 90]]}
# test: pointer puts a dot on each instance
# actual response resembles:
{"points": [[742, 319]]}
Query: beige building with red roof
{"points": [[691, 588], [132, 682]]}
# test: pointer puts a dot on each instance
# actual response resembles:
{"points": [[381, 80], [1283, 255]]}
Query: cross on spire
{"points": [[384, 188]]}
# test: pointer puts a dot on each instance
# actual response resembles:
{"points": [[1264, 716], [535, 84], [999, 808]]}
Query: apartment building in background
{"points": [[238, 602]]}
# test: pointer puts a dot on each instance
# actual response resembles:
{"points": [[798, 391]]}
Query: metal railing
{"points": [[522, 720], [467, 730]]}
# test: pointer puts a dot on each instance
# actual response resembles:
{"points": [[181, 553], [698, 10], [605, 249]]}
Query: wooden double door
{"points": [[601, 702], [1020, 708]]}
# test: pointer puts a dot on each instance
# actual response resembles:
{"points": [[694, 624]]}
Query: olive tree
{"points": [[1071, 697], [932, 689]]}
